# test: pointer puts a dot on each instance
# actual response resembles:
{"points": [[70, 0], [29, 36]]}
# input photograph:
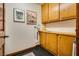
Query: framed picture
{"points": [[31, 17], [19, 15]]}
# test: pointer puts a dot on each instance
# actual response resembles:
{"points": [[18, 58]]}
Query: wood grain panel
{"points": [[51, 43], [43, 39], [53, 12], [44, 13], [65, 45], [67, 11]]}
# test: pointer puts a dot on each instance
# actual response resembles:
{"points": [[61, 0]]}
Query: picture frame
{"points": [[31, 17], [18, 15]]}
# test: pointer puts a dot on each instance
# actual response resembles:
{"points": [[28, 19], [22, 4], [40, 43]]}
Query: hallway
{"points": [[40, 29], [26, 25]]}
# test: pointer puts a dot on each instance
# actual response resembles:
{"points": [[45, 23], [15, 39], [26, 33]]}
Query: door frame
{"points": [[4, 27]]}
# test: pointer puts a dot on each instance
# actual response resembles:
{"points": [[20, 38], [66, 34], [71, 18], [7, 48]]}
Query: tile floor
{"points": [[37, 51]]}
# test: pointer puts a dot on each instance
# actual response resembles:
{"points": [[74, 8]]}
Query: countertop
{"points": [[62, 33]]}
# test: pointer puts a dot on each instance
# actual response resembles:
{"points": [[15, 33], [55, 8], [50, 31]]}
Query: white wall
{"points": [[64, 26], [21, 35]]}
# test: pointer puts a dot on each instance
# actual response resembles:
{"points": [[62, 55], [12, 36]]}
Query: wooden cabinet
{"points": [[67, 11], [43, 39], [53, 12], [50, 12], [44, 13], [57, 44], [65, 45], [51, 43]]}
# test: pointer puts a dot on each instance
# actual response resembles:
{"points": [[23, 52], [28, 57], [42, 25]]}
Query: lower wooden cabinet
{"points": [[61, 45], [42, 38], [65, 45], [51, 43]]}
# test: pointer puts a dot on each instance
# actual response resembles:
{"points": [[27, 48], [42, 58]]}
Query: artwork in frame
{"points": [[31, 17], [18, 15]]}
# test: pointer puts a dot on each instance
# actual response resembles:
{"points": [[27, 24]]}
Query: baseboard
{"points": [[19, 52]]}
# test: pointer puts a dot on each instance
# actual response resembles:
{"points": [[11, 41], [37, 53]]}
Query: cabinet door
{"points": [[44, 13], [51, 43], [67, 11], [42, 38], [65, 45], [53, 12]]}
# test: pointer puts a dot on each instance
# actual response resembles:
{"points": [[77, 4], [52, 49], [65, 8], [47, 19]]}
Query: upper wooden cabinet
{"points": [[44, 13], [67, 11], [53, 12], [65, 45], [50, 12]]}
